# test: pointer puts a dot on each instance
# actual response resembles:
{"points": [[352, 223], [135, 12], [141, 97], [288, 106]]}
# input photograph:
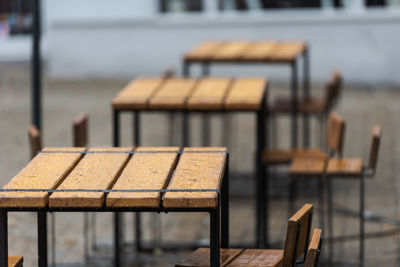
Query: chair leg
{"points": [[362, 220], [321, 119], [292, 195], [330, 221], [86, 236], [321, 203], [274, 129], [93, 231], [226, 130], [53, 239]]}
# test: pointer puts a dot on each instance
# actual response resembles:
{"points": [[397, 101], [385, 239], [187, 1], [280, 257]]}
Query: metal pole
{"points": [[117, 239], [3, 239], [362, 220], [138, 232], [205, 120], [214, 237], [225, 207], [42, 238], [36, 67], [294, 103], [306, 96], [115, 127]]}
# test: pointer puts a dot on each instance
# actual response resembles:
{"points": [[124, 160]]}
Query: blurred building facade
{"points": [[124, 38]]}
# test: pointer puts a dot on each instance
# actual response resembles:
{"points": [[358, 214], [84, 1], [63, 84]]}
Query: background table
{"points": [[152, 179], [258, 52], [208, 95]]}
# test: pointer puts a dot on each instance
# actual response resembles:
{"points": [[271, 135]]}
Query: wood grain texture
{"points": [[144, 171], [345, 167], [258, 258], [34, 140], [94, 171], [246, 94], [15, 261], [232, 50], [45, 171], [313, 248], [196, 171], [277, 156], [336, 130], [288, 51], [259, 51], [209, 94], [201, 257], [307, 167], [173, 94], [80, 130], [204, 51], [136, 94], [299, 219]]}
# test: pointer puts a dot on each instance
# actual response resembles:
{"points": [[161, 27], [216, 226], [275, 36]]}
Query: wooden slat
{"points": [[34, 140], [137, 93], [308, 167], [259, 51], [45, 171], [344, 167], [258, 258], [173, 94], [230, 50], [246, 94], [203, 52], [80, 129], [209, 94], [288, 51], [313, 248], [201, 257], [144, 171], [196, 171], [94, 171], [15, 261]]}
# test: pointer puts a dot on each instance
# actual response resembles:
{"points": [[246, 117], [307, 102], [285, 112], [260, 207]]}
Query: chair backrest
{"points": [[314, 249], [333, 90], [80, 131], [335, 133], [34, 140], [297, 235], [376, 140]]}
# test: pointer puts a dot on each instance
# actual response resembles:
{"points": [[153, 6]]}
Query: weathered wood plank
{"points": [[209, 94], [230, 50], [259, 51], [258, 258], [201, 257], [246, 94], [203, 52]]}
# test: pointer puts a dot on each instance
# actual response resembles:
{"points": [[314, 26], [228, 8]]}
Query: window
{"points": [[15, 17], [181, 5]]}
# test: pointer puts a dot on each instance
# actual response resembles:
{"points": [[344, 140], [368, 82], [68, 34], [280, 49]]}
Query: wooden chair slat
{"points": [[313, 248], [260, 50], [302, 218], [15, 261], [307, 167], [45, 171], [173, 94], [201, 257], [144, 171], [209, 94], [376, 138], [230, 50], [137, 93], [335, 134], [345, 167], [204, 51], [80, 131], [288, 51], [94, 171], [34, 140], [196, 171], [258, 258], [246, 94]]}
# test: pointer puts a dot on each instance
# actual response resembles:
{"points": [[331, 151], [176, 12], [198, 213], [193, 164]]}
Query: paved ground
{"points": [[64, 100]]}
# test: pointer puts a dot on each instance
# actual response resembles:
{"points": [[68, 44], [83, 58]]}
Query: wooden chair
{"points": [[304, 166], [314, 249], [319, 107], [350, 169], [15, 261], [34, 140], [297, 240]]}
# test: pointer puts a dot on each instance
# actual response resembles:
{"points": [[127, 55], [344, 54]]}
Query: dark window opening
{"points": [[15, 17]]}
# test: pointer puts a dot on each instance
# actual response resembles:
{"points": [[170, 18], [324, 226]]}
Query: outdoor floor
{"points": [[63, 100]]}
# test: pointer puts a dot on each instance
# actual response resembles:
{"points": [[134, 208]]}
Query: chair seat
{"points": [[201, 257], [309, 106], [15, 261], [258, 258], [235, 258], [345, 167], [307, 167], [280, 156]]}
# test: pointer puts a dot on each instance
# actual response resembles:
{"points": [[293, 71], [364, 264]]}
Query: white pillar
{"points": [[210, 6]]}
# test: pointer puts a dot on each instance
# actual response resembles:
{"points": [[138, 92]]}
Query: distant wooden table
{"points": [[145, 179], [208, 95], [258, 52]]}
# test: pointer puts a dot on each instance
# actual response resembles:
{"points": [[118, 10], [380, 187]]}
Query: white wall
{"points": [[365, 46]]}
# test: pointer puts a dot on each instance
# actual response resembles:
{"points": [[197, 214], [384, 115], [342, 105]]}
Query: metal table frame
{"points": [[261, 186], [205, 66], [219, 237]]}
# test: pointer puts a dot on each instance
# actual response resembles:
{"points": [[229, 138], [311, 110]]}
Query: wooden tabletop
{"points": [[71, 171], [246, 51], [192, 94]]}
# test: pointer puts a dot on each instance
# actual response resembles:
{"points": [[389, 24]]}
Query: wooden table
{"points": [[143, 179], [258, 52], [207, 95]]}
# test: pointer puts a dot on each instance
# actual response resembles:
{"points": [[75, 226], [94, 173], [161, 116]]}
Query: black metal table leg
{"points": [[262, 182], [214, 237], [136, 141], [225, 207], [117, 239], [185, 129], [306, 95], [330, 220], [115, 127], [294, 96], [3, 239], [42, 238], [362, 220], [205, 120]]}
